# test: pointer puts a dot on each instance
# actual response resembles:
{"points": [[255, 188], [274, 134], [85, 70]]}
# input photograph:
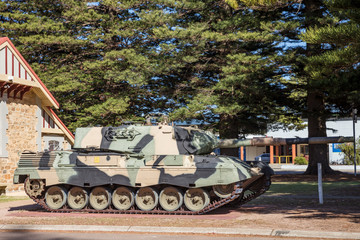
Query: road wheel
{"points": [[100, 198], [77, 198], [55, 197], [146, 198], [122, 198], [170, 199], [223, 191], [196, 199]]}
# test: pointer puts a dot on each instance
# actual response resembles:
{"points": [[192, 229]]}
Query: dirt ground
{"points": [[339, 213]]}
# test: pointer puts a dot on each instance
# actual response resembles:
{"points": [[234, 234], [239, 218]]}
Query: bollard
{"points": [[320, 188]]}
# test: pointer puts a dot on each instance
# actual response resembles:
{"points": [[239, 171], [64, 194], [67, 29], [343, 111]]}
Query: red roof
{"points": [[52, 111], [6, 39]]}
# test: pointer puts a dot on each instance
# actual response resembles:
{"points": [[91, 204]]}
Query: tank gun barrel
{"points": [[267, 141]]}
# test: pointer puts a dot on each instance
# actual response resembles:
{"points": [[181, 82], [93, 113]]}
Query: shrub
{"points": [[300, 161], [348, 150]]}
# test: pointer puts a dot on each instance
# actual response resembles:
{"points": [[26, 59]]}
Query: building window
{"points": [[304, 150], [53, 145]]}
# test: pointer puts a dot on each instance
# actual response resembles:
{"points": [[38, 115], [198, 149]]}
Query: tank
{"points": [[147, 169], [140, 169]]}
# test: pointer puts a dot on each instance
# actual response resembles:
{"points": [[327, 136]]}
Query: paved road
{"points": [[109, 236], [56, 232]]}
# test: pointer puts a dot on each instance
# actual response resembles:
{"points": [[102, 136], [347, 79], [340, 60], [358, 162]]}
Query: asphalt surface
{"points": [[181, 230], [22, 235]]}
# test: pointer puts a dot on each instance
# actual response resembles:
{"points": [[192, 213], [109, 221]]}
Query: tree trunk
{"points": [[318, 153], [229, 129]]}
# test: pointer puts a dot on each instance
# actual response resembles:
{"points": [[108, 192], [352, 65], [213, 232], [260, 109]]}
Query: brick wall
{"points": [[21, 135]]}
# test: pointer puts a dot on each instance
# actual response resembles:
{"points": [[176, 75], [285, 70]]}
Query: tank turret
{"points": [[147, 140], [168, 140]]}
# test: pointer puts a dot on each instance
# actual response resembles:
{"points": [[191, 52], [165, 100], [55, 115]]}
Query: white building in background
{"points": [[336, 127]]}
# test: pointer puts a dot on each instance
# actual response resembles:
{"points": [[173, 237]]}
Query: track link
{"points": [[262, 183]]}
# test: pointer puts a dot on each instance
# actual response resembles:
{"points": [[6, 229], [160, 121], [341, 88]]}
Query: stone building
{"points": [[27, 119]]}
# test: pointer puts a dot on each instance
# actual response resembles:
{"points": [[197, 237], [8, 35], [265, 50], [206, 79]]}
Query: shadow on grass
{"points": [[307, 210], [299, 200], [29, 207]]}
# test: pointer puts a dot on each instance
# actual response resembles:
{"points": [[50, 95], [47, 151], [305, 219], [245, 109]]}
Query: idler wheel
{"points": [[196, 199], [122, 198], [34, 187], [77, 198], [100, 198], [224, 191], [170, 199], [146, 198], [55, 197]]}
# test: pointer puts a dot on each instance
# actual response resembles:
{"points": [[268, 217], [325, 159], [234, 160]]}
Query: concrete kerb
{"points": [[186, 230], [316, 234]]}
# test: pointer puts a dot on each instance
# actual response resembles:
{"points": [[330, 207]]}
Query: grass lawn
{"points": [[309, 188], [9, 199], [305, 194]]}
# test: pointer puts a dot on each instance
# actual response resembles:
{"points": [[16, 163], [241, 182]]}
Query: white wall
{"points": [[3, 126], [252, 152], [2, 61]]}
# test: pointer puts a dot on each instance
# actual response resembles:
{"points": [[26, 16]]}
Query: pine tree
{"points": [[95, 58], [234, 80], [108, 61], [336, 67], [327, 67]]}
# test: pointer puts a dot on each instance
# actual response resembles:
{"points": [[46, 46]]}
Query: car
{"points": [[265, 157]]}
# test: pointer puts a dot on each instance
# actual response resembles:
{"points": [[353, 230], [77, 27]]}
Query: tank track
{"points": [[261, 185]]}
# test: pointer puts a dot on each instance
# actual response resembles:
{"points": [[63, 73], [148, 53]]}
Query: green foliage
{"points": [[259, 4], [336, 67], [348, 150], [218, 61], [94, 57], [300, 161], [237, 78], [109, 61], [323, 73]]}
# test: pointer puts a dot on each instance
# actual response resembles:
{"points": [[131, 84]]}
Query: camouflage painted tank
{"points": [[137, 169]]}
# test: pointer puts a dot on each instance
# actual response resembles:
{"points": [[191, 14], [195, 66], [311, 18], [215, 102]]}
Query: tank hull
{"points": [[90, 171], [100, 168]]}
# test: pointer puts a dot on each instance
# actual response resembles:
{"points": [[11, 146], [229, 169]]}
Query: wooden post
{"points": [[271, 154], [293, 153], [277, 152], [354, 121], [242, 153], [320, 188]]}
